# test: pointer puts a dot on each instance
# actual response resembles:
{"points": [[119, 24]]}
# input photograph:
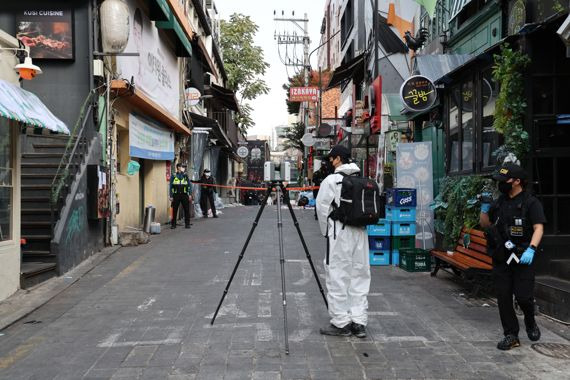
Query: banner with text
{"points": [[149, 141], [303, 94], [155, 70]]}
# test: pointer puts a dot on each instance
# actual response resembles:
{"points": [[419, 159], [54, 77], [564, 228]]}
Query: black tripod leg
{"points": [[255, 223], [296, 223]]}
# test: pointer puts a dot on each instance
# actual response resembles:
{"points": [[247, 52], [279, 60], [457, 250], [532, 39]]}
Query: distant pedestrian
{"points": [[318, 178], [514, 226], [207, 191], [180, 193]]}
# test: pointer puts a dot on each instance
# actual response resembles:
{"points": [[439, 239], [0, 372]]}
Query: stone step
{"points": [[552, 295], [38, 256], [37, 242], [43, 167], [560, 268], [33, 273], [36, 214]]}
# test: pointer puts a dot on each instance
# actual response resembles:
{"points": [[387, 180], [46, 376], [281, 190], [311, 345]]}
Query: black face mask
{"points": [[505, 187], [329, 167]]}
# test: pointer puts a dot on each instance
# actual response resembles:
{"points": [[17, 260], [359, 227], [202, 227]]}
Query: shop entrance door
{"points": [[551, 165]]}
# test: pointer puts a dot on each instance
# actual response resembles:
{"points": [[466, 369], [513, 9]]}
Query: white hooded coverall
{"points": [[348, 271]]}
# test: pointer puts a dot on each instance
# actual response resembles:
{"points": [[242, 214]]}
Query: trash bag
{"points": [[218, 202]]}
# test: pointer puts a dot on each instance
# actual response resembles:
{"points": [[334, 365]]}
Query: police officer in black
{"points": [[207, 193], [180, 193], [514, 226]]}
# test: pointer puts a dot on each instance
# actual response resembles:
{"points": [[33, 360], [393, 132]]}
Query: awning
{"points": [[225, 96], [183, 45], [457, 7], [435, 66], [395, 107], [199, 121], [147, 107], [25, 107], [353, 69], [485, 57]]}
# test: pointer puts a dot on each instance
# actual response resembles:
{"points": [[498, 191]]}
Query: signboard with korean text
{"points": [[303, 94], [418, 93], [48, 32], [155, 70], [148, 140]]}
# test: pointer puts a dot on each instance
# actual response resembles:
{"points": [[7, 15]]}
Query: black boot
{"points": [[358, 330], [508, 342], [332, 330], [533, 332]]}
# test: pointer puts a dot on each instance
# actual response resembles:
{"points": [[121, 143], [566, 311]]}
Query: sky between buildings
{"points": [[270, 110]]}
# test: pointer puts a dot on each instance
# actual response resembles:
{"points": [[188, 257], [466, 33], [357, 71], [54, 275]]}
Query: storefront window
{"points": [[6, 193], [490, 138], [467, 127], [454, 131], [472, 138]]}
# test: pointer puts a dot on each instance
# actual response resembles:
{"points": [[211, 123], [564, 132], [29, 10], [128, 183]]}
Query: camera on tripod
{"points": [[277, 172]]}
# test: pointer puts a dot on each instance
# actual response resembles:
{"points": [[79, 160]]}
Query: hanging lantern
{"points": [[114, 25]]}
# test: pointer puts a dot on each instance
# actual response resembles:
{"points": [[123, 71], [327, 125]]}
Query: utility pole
{"points": [[294, 39]]}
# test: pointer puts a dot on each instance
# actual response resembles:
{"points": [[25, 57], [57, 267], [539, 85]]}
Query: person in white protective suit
{"points": [[347, 265]]}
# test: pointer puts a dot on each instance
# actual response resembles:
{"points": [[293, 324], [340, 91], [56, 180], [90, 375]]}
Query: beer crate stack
{"points": [[397, 231]]}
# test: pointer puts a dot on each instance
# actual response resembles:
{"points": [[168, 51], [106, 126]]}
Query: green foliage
{"points": [[293, 136], [457, 205], [244, 64], [511, 105]]}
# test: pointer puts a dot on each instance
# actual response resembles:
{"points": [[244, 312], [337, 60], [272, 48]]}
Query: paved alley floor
{"points": [[144, 313]]}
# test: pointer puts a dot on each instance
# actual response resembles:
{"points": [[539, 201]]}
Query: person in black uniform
{"points": [[180, 193], [318, 177], [514, 226], [207, 193]]}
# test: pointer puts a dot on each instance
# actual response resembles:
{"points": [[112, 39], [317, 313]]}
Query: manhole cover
{"points": [[553, 350]]}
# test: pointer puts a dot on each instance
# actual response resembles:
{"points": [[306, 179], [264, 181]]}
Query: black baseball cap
{"points": [[509, 170], [339, 151]]}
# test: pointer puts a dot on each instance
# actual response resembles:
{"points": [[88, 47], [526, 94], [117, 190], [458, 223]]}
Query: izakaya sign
{"points": [[155, 70], [149, 141], [303, 94]]}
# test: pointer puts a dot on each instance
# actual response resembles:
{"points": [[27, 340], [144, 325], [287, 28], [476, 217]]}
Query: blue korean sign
{"points": [[149, 141]]}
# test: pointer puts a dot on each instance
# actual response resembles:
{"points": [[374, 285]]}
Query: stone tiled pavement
{"points": [[144, 314]]}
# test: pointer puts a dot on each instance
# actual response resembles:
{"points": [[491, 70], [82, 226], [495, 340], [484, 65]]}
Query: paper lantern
{"points": [[114, 15]]}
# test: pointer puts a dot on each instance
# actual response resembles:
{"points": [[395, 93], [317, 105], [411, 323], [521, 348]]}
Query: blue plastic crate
{"points": [[379, 257], [382, 228], [401, 197], [403, 228], [379, 243], [401, 214], [395, 257]]}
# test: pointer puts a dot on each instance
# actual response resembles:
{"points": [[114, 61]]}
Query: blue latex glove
{"points": [[485, 207], [527, 256]]}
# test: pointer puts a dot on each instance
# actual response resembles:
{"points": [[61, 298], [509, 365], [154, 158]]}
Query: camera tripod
{"points": [[280, 189]]}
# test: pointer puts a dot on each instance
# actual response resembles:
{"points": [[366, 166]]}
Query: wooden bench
{"points": [[471, 262]]}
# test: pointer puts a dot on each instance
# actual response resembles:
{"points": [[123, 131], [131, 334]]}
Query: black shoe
{"points": [[533, 332], [332, 330], [172, 227], [205, 216], [187, 226], [215, 216], [508, 342], [358, 330]]}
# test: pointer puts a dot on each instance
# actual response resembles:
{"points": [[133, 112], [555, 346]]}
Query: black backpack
{"points": [[361, 203]]}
